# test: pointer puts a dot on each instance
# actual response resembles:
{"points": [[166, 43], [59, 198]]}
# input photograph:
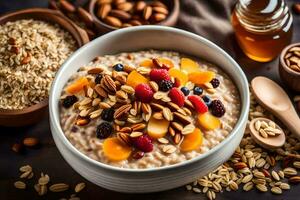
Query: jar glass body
{"points": [[262, 27]]}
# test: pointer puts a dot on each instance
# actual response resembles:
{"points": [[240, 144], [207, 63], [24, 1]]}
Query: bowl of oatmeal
{"points": [[34, 44], [150, 114]]}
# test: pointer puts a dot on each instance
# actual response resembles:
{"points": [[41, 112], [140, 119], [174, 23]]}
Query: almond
{"points": [[30, 141], [85, 16], [122, 15], [140, 5], [113, 21], [67, 6], [158, 4], [99, 2], [96, 70], [147, 12], [159, 17], [135, 22], [126, 6], [161, 10], [103, 11]]}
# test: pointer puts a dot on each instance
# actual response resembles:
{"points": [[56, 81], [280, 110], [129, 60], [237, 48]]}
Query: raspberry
{"points": [[217, 108], [104, 130], [165, 85], [198, 103], [143, 93], [177, 96], [69, 101], [143, 143], [215, 82], [158, 75]]}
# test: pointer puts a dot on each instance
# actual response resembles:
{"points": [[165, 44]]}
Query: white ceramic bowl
{"points": [[157, 179]]}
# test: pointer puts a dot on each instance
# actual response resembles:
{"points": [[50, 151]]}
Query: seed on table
{"points": [[261, 187], [25, 168], [289, 171], [79, 187], [275, 175], [285, 186], [248, 186], [276, 190], [59, 187], [17, 147], [294, 179], [20, 185], [196, 190]]}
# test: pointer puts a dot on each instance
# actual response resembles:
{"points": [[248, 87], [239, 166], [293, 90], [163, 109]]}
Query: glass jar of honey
{"points": [[262, 27]]}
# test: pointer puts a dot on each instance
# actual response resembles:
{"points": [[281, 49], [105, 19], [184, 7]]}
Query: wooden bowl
{"points": [[173, 5], [289, 77], [34, 113]]}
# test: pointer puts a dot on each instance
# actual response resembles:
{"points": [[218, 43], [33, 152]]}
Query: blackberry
{"points": [[215, 82], [185, 91], [98, 78], [207, 100], [217, 108], [198, 90], [69, 101], [108, 114], [165, 85], [104, 130], [118, 67]]}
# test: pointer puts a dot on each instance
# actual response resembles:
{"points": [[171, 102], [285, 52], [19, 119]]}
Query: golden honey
{"points": [[262, 28]]}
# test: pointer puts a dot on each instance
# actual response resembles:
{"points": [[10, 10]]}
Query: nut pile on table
{"points": [[41, 186], [122, 13], [253, 167]]}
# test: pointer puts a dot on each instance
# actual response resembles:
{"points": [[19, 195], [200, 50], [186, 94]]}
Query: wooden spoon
{"points": [[273, 98], [269, 142]]}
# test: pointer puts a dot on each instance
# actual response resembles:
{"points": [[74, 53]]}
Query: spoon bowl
{"points": [[269, 142], [270, 95]]}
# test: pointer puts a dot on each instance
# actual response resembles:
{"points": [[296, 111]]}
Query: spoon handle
{"points": [[291, 120]]}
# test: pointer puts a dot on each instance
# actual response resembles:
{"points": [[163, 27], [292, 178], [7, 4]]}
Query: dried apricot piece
{"points": [[157, 128], [180, 75], [192, 141], [116, 150], [201, 77], [147, 63], [169, 64], [135, 78], [78, 85], [188, 65], [208, 121]]}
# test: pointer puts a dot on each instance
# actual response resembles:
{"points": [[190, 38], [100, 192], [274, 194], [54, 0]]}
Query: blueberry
{"points": [[118, 67], [215, 82], [98, 78], [198, 90], [108, 114], [69, 101], [104, 130], [185, 91], [207, 100]]}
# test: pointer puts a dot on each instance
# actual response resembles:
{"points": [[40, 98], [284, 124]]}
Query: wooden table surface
{"points": [[47, 159]]}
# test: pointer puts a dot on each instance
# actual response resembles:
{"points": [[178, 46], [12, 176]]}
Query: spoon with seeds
{"points": [[266, 133], [274, 98]]}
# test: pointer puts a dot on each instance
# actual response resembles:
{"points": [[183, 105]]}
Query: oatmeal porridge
{"points": [[148, 109]]}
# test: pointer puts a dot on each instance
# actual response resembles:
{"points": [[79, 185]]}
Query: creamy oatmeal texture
{"points": [[165, 152]]}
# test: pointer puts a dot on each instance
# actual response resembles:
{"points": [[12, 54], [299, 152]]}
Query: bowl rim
{"points": [[55, 120], [173, 13], [283, 64], [10, 16]]}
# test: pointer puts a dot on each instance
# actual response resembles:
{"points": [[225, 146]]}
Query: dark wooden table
{"points": [[47, 158]]}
